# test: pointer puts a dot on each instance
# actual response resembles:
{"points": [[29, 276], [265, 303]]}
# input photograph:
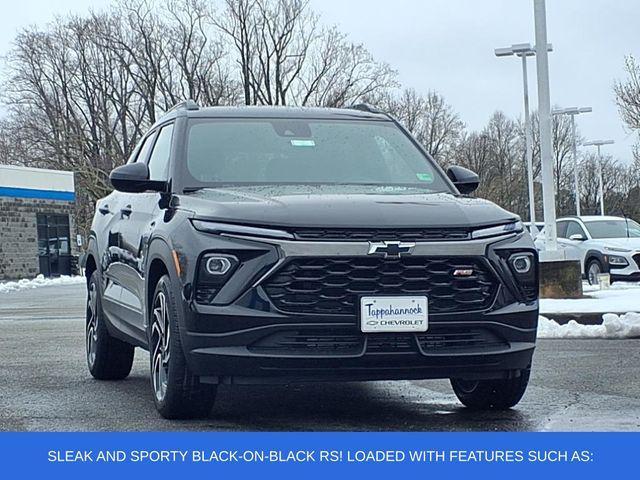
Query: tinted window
{"points": [[574, 228], [277, 151], [159, 161], [562, 229]]}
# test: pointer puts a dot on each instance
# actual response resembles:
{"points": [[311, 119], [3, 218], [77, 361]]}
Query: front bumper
{"points": [[296, 349], [242, 337]]}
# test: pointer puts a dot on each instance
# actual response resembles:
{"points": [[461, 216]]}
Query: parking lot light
{"points": [[524, 50], [573, 111], [598, 144]]}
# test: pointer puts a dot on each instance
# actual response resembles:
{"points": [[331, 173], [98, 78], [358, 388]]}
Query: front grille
{"points": [[339, 342], [380, 234], [636, 257], [452, 340], [310, 342], [390, 343], [332, 285]]}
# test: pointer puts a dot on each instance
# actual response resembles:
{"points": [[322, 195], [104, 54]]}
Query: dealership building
{"points": [[37, 231]]}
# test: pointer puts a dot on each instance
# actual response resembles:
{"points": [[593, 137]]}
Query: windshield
{"points": [[613, 229], [306, 151]]}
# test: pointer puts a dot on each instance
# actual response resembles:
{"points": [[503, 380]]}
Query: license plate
{"points": [[393, 314]]}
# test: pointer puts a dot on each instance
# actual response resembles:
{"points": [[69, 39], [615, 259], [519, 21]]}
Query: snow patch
{"points": [[620, 297], [613, 326], [39, 281]]}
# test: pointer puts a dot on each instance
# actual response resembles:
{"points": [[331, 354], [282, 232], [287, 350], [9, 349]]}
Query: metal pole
{"points": [[600, 187], [576, 185], [528, 147], [544, 111]]}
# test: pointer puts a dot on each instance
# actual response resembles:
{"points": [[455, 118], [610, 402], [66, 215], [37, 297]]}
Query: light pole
{"points": [[546, 146], [573, 111], [524, 50], [598, 144]]}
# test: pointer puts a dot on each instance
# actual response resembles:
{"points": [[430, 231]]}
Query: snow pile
{"points": [[621, 297], [613, 326], [39, 281]]}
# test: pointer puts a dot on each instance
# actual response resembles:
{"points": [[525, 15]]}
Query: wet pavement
{"points": [[44, 385]]}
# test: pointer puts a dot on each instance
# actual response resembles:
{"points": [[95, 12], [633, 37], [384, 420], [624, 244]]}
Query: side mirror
{"points": [[134, 178], [464, 179], [577, 237]]}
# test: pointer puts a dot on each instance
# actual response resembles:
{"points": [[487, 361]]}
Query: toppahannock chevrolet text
{"points": [[272, 244]]}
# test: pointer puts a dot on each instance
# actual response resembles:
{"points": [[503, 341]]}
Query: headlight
{"points": [[215, 227], [521, 263], [524, 268], [618, 261], [514, 227], [616, 249], [214, 270]]}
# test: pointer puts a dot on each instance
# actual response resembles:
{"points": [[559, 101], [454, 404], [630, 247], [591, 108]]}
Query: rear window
{"points": [[274, 151]]}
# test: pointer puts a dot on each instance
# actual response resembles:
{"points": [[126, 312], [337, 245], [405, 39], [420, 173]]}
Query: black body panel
{"points": [[245, 328]]}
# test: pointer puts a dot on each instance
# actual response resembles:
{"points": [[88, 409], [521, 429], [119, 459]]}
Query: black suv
{"points": [[272, 244]]}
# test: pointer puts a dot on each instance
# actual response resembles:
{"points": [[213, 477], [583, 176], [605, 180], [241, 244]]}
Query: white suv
{"points": [[603, 244]]}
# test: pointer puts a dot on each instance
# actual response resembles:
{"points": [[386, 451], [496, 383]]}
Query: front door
{"points": [[54, 244]]}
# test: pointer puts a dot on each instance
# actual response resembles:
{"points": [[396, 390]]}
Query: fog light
{"points": [[521, 264], [217, 265]]}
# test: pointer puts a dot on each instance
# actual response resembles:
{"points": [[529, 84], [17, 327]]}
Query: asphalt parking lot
{"points": [[44, 385]]}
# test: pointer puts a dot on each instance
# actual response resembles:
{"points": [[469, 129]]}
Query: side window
{"points": [[562, 229], [574, 228], [159, 161], [141, 152]]}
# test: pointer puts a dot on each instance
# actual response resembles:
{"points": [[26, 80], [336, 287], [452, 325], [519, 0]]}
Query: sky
{"points": [[447, 46]]}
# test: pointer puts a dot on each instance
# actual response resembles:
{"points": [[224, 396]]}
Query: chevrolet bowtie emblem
{"points": [[391, 249]]}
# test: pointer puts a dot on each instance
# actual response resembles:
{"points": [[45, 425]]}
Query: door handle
{"points": [[104, 209], [126, 211]]}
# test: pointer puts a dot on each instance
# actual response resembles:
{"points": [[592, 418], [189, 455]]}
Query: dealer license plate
{"points": [[393, 314]]}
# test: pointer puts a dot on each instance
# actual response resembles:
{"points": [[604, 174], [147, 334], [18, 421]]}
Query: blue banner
{"points": [[319, 455]]}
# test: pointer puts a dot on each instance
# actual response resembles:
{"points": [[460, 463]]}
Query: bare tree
{"points": [[431, 120], [286, 58]]}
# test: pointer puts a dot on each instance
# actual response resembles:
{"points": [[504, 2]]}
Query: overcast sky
{"points": [[447, 46]]}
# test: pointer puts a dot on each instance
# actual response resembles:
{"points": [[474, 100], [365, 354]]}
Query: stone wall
{"points": [[19, 234]]}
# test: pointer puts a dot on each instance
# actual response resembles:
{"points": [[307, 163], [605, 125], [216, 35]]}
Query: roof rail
{"points": [[365, 107], [185, 105]]}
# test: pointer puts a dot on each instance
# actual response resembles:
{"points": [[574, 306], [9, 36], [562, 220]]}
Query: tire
{"points": [[491, 394], [108, 358], [177, 393], [594, 267]]}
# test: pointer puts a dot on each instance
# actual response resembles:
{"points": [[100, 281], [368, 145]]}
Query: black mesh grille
{"points": [[380, 234], [390, 343], [310, 342], [452, 340], [636, 257], [329, 342], [332, 285]]}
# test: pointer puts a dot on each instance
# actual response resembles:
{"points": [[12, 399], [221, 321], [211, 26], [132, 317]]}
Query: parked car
{"points": [[264, 244], [603, 244]]}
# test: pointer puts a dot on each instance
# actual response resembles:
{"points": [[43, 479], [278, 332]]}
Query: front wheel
{"points": [[491, 394], [594, 268], [177, 392]]}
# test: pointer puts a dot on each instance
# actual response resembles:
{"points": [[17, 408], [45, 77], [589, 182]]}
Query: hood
{"points": [[340, 206], [626, 243]]}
